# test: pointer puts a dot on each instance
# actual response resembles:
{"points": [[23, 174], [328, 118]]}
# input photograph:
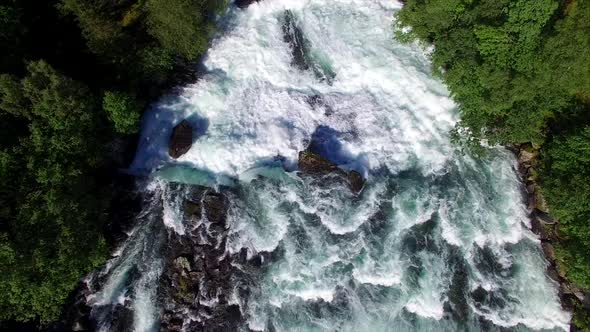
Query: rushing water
{"points": [[436, 241]]}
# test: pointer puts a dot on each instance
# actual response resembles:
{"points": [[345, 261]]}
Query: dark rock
{"points": [[523, 170], [293, 35], [245, 3], [544, 218], [458, 305], [313, 163], [565, 288], [492, 299], [580, 295], [198, 269], [216, 207], [552, 273], [232, 318], [356, 181], [532, 204], [548, 251], [318, 102], [490, 264], [540, 230], [530, 188], [192, 209], [181, 140], [420, 237], [122, 318]]}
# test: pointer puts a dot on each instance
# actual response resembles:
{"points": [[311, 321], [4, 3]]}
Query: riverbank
{"points": [[546, 227]]}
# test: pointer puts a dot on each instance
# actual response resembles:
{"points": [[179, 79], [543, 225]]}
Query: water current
{"points": [[436, 241]]}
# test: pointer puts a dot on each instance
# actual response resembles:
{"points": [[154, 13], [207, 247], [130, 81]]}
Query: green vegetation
{"points": [[123, 110], [520, 72], [74, 74]]}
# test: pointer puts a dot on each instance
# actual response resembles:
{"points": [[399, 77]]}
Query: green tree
{"points": [[179, 26], [123, 110], [54, 210]]}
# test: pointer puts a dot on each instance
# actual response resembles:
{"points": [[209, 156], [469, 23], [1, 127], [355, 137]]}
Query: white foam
{"points": [[389, 115], [314, 294]]}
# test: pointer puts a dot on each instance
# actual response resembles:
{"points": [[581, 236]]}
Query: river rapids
{"points": [[436, 241]]}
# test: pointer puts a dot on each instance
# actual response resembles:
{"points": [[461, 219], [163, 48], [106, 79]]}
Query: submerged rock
{"points": [[314, 164], [293, 35], [181, 140], [487, 299]]}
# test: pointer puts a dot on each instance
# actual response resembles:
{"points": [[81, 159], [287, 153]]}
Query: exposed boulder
{"points": [[314, 164], [530, 188], [552, 273], [548, 251], [526, 157], [488, 298], [293, 35], [181, 139], [356, 181], [539, 229], [544, 218]]}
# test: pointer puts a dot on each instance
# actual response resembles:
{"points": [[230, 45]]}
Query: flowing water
{"points": [[436, 241]]}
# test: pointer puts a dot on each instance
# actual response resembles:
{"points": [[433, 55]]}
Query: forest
{"points": [[519, 71], [75, 76]]}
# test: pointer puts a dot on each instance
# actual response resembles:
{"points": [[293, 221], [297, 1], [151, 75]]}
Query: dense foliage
{"points": [[74, 74], [520, 72]]}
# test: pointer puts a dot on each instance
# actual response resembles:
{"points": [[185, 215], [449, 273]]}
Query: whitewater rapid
{"points": [[436, 241]]}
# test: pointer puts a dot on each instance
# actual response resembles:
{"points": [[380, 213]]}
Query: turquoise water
{"points": [[436, 241]]}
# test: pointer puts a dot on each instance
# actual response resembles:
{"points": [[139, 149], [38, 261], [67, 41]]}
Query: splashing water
{"points": [[436, 241]]}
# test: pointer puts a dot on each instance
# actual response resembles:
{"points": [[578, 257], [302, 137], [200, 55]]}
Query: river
{"points": [[437, 240]]}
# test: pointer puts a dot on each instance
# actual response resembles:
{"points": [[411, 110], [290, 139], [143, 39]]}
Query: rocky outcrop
{"points": [[314, 164], [293, 35], [356, 181], [181, 139], [300, 46], [195, 285], [545, 226]]}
